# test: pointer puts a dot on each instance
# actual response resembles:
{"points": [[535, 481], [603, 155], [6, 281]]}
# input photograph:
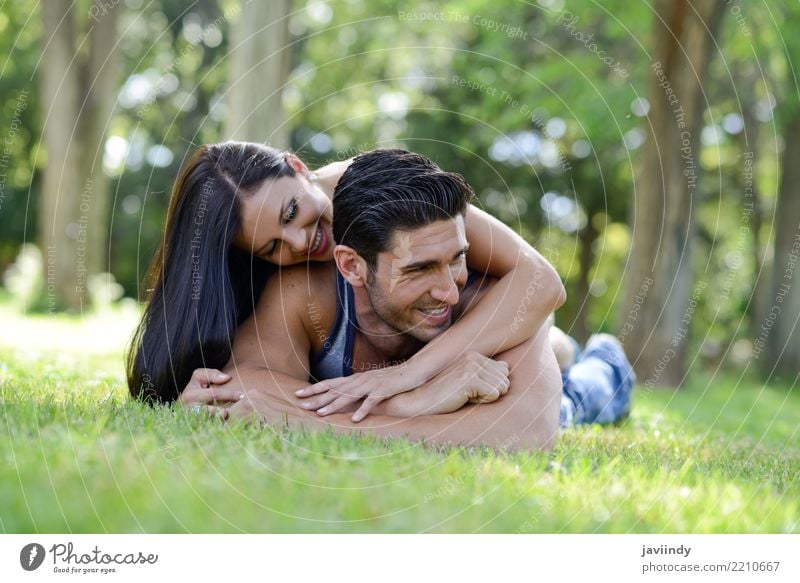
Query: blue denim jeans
{"points": [[597, 388]]}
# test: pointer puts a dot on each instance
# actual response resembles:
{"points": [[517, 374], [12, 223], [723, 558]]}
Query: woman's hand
{"points": [[203, 393], [472, 378], [373, 386]]}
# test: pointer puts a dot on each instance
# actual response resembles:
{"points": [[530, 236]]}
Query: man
{"points": [[398, 282], [399, 274]]}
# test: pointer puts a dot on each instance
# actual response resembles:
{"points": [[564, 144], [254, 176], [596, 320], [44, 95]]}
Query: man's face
{"points": [[417, 281]]}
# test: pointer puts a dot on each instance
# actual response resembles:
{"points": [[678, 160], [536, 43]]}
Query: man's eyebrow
{"points": [[429, 262]]}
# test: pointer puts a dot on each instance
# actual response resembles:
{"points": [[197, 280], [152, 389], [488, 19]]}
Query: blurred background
{"points": [[650, 150]]}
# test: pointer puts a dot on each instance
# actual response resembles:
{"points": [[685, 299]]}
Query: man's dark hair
{"points": [[386, 190]]}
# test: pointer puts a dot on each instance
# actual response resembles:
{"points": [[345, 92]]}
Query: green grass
{"points": [[76, 455]]}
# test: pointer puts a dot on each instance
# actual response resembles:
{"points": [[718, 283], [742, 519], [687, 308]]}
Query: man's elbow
{"points": [[535, 413], [539, 434], [544, 437]]}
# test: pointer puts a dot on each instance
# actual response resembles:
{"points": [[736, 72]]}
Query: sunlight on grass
{"points": [[719, 455], [104, 333]]}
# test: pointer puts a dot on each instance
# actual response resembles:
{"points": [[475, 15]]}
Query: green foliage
{"points": [[538, 105], [19, 126]]}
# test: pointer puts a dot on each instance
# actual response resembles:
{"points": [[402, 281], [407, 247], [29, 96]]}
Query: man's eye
{"points": [[291, 211]]}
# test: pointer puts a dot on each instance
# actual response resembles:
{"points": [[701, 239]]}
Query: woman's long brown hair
{"points": [[200, 287]]}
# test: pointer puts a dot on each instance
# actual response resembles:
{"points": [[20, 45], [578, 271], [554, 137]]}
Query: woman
{"points": [[241, 210]]}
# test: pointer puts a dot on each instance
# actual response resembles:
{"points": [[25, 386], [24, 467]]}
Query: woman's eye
{"points": [[291, 211]]}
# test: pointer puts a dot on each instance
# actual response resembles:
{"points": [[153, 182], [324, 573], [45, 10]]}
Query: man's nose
{"points": [[446, 288]]}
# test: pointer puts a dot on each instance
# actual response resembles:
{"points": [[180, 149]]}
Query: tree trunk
{"points": [[782, 315], [662, 213], [100, 92], [753, 201], [61, 183], [259, 70], [78, 89], [587, 238]]}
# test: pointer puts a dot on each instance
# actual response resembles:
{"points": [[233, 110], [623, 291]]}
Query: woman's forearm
{"points": [[525, 418], [280, 387], [509, 313]]}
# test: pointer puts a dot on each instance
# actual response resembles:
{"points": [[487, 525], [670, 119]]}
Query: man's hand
{"points": [[204, 393], [472, 378]]}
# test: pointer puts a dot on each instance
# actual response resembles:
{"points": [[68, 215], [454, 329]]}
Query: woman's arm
{"points": [[328, 176], [513, 309], [525, 418]]}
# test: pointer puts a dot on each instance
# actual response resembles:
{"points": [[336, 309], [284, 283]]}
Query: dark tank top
{"points": [[335, 359]]}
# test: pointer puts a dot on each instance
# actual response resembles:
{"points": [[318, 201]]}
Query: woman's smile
{"points": [[321, 241]]}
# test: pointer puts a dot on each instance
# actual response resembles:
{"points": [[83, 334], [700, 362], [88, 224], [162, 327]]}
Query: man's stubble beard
{"points": [[395, 318]]}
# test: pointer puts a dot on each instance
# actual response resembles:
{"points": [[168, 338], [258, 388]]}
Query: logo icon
{"points": [[31, 556]]}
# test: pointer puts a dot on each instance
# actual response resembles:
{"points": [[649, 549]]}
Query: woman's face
{"points": [[288, 220]]}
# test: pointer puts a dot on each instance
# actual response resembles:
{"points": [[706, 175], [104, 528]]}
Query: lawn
{"points": [[721, 455]]}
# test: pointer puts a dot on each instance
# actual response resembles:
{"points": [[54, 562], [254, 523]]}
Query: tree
{"points": [[663, 211], [784, 312], [780, 328], [78, 85], [19, 120], [259, 69]]}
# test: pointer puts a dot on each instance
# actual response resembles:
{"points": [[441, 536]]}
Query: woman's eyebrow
{"points": [[280, 215]]}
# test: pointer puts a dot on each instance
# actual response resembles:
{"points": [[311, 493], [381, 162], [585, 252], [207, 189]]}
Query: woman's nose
{"points": [[297, 240]]}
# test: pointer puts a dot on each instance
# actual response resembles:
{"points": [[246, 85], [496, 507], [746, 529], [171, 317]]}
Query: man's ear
{"points": [[297, 164], [351, 265]]}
